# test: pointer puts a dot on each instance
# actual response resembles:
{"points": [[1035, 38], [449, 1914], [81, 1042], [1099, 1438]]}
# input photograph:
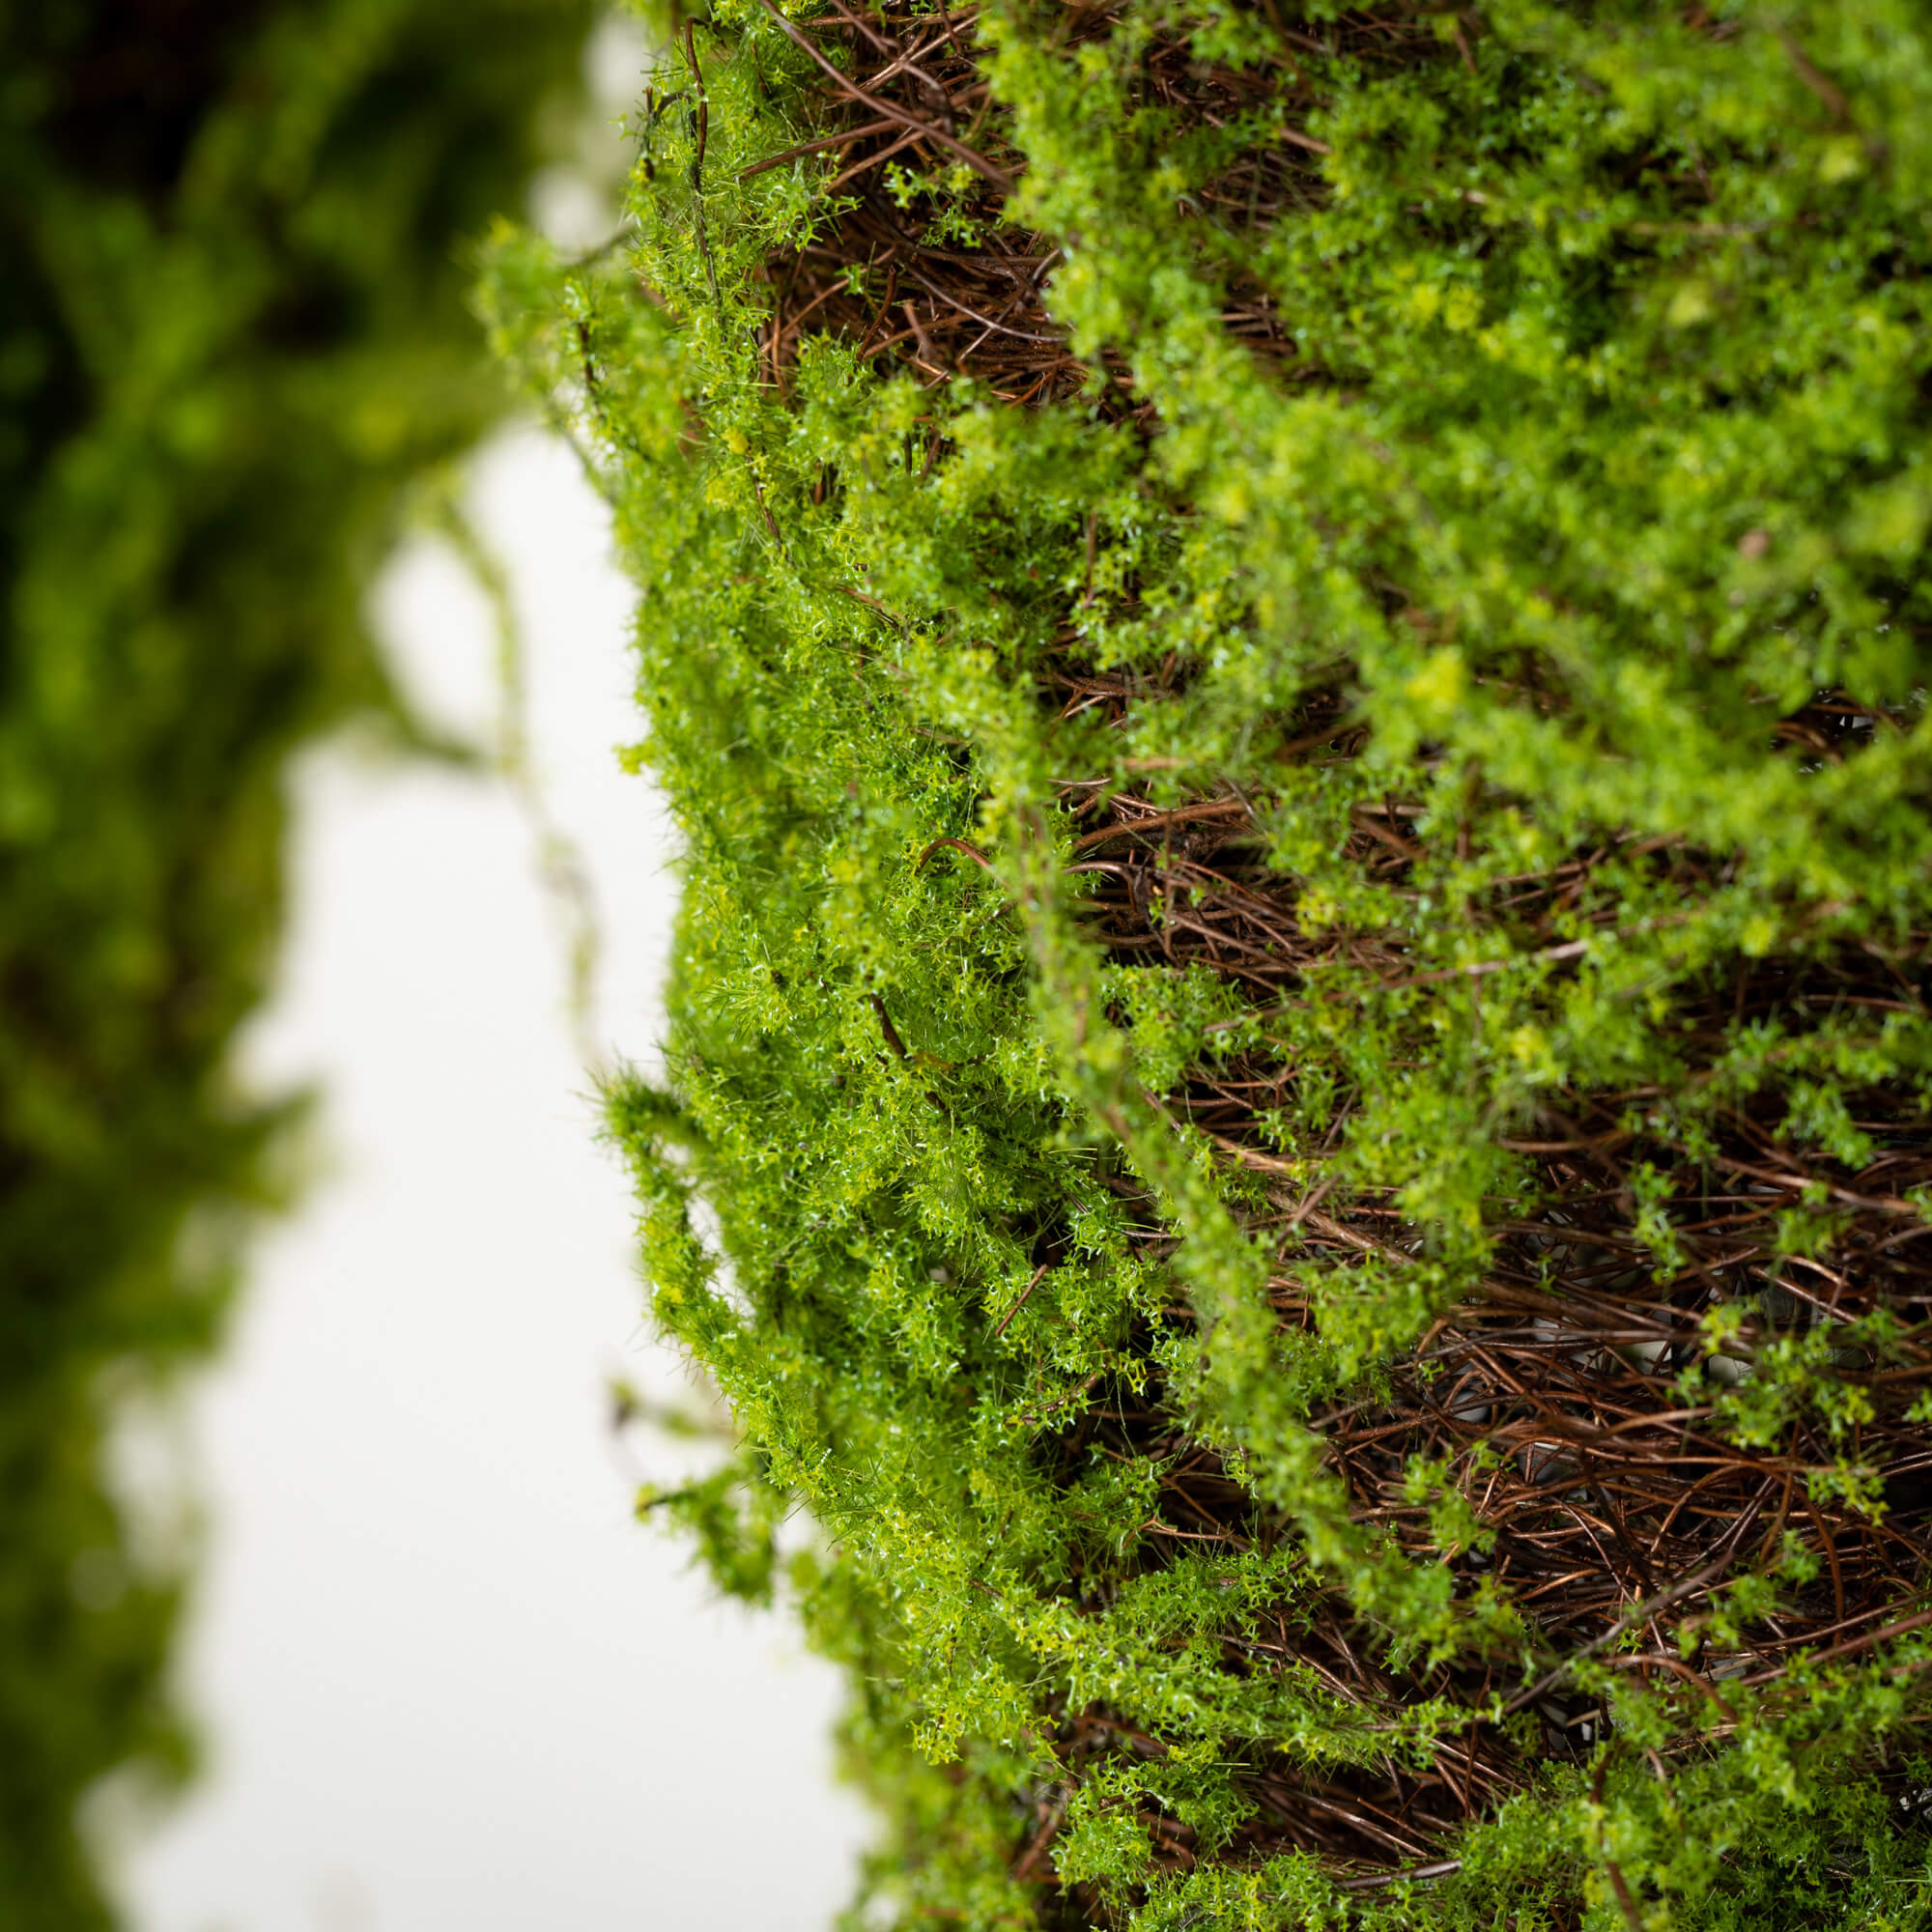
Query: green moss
{"points": [[230, 328], [1595, 448]]}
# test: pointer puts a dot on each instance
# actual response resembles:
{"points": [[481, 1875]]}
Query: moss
{"points": [[231, 329], [1299, 1001]]}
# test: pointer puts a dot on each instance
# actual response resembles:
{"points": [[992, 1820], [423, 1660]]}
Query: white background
{"points": [[448, 1684]]}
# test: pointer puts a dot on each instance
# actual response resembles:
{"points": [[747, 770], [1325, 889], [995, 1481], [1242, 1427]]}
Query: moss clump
{"points": [[231, 326], [1290, 650]]}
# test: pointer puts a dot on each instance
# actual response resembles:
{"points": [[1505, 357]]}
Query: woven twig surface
{"points": [[1616, 1508], [1610, 1507]]}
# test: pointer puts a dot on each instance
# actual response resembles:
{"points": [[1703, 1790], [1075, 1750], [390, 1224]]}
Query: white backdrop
{"points": [[448, 1684]]}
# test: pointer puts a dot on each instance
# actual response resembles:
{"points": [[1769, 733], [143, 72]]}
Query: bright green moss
{"points": [[1596, 450]]}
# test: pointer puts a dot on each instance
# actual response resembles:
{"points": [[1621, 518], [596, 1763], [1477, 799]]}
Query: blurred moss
{"points": [[232, 328]]}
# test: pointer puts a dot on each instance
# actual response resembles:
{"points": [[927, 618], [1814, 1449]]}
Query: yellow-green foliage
{"points": [[231, 328], [1674, 466]]}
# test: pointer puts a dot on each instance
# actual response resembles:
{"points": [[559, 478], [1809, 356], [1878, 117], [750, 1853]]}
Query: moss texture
{"points": [[1290, 647]]}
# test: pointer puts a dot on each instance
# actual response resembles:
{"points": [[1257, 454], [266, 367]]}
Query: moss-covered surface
{"points": [[1291, 651], [232, 326]]}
